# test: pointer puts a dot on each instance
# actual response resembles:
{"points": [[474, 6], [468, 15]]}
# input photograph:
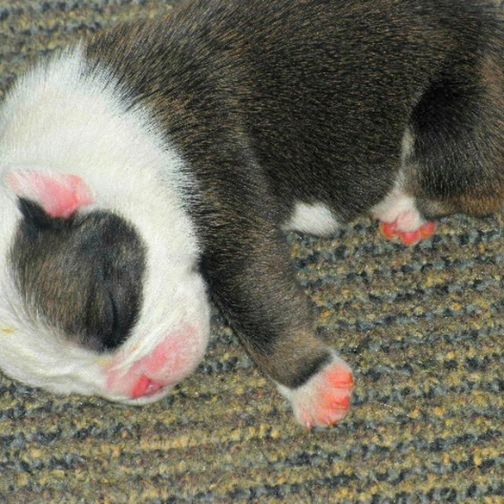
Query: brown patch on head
{"points": [[82, 275]]}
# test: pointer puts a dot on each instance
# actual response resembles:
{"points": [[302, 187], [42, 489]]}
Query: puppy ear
{"points": [[59, 195], [37, 218]]}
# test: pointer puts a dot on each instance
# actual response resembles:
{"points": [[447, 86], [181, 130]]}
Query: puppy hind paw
{"points": [[400, 218], [324, 400]]}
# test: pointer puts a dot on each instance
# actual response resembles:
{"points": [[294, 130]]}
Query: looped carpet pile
{"points": [[422, 327]]}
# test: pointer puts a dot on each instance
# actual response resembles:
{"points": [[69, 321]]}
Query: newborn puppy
{"points": [[161, 162]]}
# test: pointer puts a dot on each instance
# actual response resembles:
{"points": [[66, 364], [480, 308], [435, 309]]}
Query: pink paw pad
{"points": [[390, 231], [325, 399]]}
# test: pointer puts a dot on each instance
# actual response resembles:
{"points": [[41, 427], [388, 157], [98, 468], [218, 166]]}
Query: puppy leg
{"points": [[247, 266], [456, 163], [398, 213]]}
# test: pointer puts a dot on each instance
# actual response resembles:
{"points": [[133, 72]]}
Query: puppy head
{"points": [[97, 296]]}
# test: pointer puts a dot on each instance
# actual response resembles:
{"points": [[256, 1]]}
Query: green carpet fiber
{"points": [[423, 328]]}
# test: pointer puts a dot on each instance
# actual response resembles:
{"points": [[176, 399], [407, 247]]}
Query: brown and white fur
{"points": [[159, 163]]}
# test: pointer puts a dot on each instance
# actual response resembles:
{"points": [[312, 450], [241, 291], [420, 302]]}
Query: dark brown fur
{"points": [[270, 102]]}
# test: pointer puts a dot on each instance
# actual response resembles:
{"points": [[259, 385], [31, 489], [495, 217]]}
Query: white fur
{"points": [[407, 146], [398, 206], [315, 218], [310, 403], [57, 120]]}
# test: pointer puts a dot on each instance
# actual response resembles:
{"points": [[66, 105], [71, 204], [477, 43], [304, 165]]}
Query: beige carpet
{"points": [[423, 328]]}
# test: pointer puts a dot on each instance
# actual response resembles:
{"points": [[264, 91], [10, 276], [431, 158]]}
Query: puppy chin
{"points": [[153, 375], [141, 401]]}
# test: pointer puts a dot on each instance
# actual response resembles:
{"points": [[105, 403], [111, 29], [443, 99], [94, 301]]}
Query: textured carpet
{"points": [[422, 327]]}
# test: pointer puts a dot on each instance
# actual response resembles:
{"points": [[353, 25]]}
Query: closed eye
{"points": [[103, 325], [115, 318]]}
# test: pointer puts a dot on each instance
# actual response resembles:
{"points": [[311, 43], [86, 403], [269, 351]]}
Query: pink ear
{"points": [[60, 195]]}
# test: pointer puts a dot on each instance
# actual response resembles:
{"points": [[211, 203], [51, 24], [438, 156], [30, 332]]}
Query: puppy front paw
{"points": [[324, 400]]}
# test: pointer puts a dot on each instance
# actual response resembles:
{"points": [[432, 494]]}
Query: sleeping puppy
{"points": [[160, 162]]}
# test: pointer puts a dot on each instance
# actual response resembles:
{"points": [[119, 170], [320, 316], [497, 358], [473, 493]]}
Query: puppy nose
{"points": [[171, 360], [149, 375], [145, 387]]}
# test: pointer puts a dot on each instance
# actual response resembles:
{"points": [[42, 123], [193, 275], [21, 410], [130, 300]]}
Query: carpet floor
{"points": [[423, 328]]}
